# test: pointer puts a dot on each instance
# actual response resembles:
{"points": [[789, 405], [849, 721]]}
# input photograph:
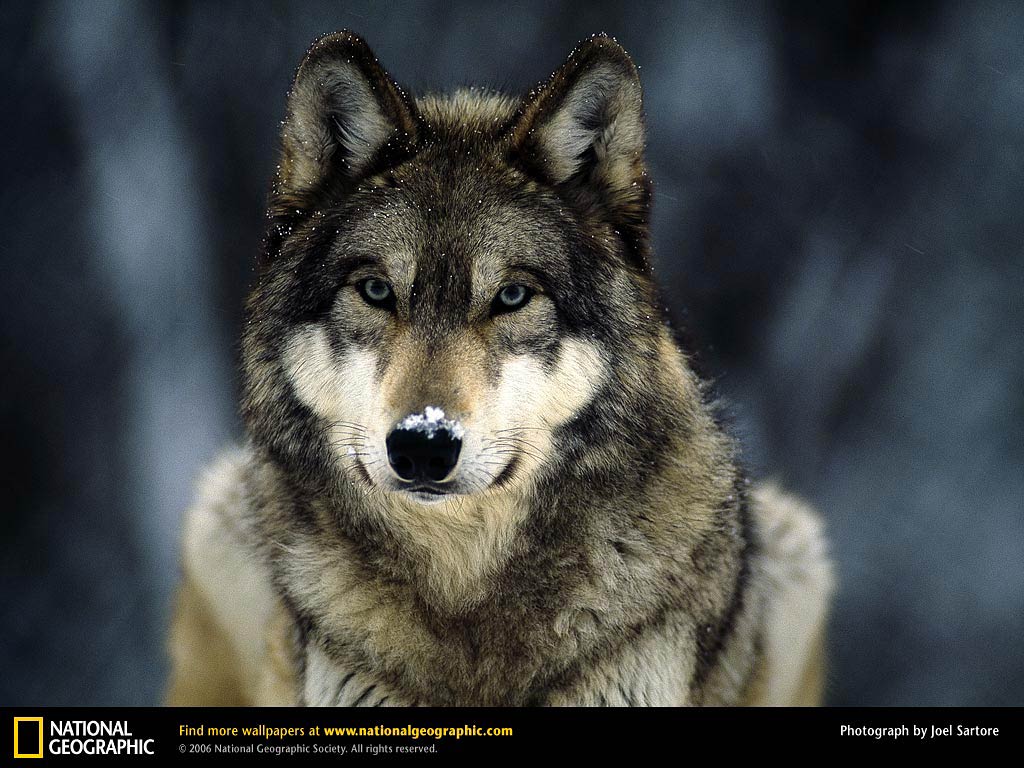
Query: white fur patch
{"points": [[528, 393], [340, 390], [328, 385]]}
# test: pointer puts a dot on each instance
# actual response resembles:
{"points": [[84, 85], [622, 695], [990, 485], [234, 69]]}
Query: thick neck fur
{"points": [[583, 547]]}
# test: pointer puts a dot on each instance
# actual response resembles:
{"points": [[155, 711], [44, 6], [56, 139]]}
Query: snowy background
{"points": [[838, 220]]}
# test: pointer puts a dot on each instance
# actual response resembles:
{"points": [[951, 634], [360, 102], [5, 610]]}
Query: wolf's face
{"points": [[441, 365], [447, 283]]}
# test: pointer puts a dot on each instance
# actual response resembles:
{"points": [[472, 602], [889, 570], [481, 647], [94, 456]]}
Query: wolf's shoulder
{"points": [[217, 520], [220, 557], [792, 532], [797, 577], [227, 606]]}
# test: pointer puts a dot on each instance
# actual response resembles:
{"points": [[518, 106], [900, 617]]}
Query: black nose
{"points": [[420, 454]]}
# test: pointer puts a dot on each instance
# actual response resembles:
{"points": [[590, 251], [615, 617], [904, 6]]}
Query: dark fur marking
{"points": [[507, 475], [363, 695], [710, 644], [363, 473], [300, 638], [341, 687], [627, 697]]}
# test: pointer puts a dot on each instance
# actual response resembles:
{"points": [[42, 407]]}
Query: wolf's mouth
{"points": [[427, 493], [429, 490]]}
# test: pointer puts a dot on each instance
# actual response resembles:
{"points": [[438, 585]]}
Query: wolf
{"points": [[479, 468]]}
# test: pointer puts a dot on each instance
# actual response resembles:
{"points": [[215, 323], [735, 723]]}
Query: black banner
{"points": [[279, 736]]}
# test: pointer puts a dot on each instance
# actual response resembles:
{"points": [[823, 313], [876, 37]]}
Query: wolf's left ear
{"points": [[345, 115], [583, 130]]}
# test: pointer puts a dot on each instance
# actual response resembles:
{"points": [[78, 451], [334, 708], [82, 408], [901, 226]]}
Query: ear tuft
{"points": [[345, 116], [584, 128]]}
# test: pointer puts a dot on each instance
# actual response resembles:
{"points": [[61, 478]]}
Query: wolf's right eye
{"points": [[377, 292]]}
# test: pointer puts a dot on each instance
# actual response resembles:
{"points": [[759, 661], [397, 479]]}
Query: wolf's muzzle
{"points": [[421, 454]]}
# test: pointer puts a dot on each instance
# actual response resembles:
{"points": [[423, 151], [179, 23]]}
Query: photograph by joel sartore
{"points": [[439, 362]]}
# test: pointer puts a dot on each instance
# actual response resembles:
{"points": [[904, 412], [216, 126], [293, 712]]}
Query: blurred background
{"points": [[839, 191]]}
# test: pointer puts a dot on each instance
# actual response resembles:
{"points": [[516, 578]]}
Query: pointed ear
{"points": [[584, 130], [346, 117]]}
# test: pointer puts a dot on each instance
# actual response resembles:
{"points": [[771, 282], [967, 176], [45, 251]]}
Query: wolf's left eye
{"points": [[377, 292], [511, 298]]}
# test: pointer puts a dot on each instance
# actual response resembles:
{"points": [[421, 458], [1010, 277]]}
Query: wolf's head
{"points": [[455, 292]]}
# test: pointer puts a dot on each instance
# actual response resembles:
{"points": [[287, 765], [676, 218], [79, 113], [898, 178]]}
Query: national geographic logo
{"points": [[28, 737], [77, 737]]}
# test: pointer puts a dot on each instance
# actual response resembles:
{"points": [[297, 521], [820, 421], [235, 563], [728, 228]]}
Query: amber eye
{"points": [[510, 298], [377, 292]]}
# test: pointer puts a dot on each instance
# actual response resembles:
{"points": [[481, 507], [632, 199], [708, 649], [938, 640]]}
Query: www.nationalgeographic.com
{"points": [[415, 733], [408, 731]]}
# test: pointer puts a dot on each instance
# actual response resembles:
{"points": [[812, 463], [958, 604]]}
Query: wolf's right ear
{"points": [[345, 117]]}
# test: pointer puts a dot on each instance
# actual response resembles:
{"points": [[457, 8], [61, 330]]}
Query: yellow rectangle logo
{"points": [[36, 745]]}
